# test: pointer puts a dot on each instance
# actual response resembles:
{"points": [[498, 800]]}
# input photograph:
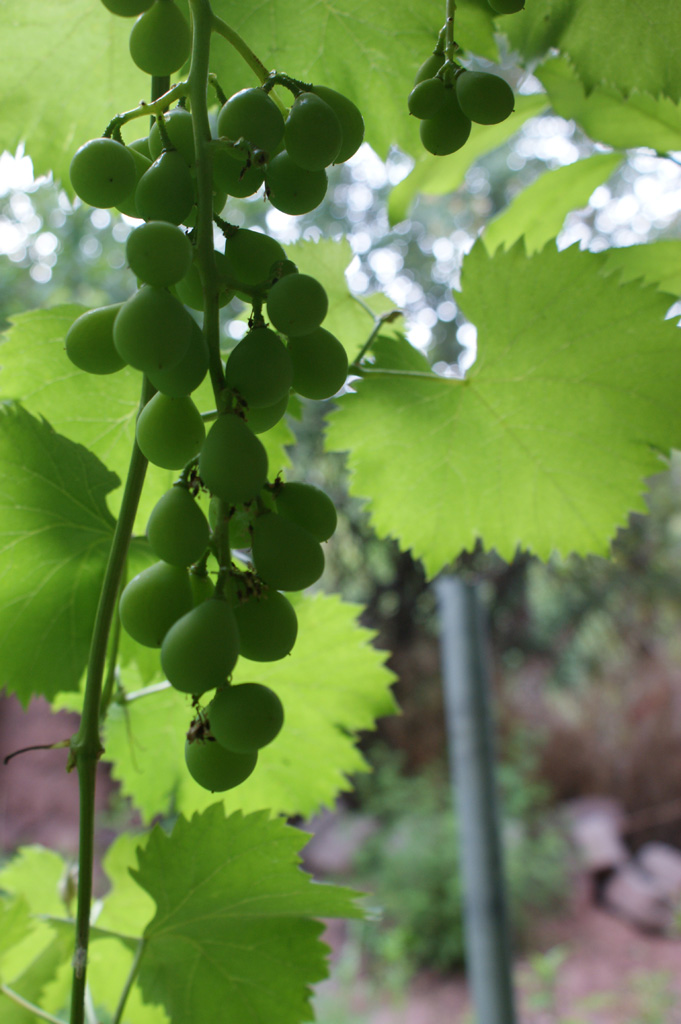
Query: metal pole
{"points": [[471, 756]]}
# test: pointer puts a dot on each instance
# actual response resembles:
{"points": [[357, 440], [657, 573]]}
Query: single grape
{"points": [[430, 67], [286, 556], [180, 130], [128, 206], [249, 256], [153, 600], [235, 177], [102, 172], [202, 586], [166, 190], [177, 529], [159, 253], [267, 626], [292, 189], [141, 146], [190, 289], [307, 506], [127, 8], [297, 304], [170, 431], [312, 134], [261, 420], [246, 717], [350, 118], [152, 330], [183, 377], [214, 767], [448, 130], [320, 364], [484, 98], [252, 115], [233, 462], [200, 650], [90, 343], [427, 98], [506, 6], [259, 368], [160, 40]]}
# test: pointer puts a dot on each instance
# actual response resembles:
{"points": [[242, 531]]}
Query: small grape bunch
{"points": [[447, 98]]}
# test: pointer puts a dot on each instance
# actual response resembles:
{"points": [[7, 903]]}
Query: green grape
{"points": [[166, 190], [252, 115], [427, 98], [177, 529], [267, 626], [160, 40], [183, 377], [249, 256], [246, 717], [170, 431], [90, 343], [320, 364], [261, 420], [190, 289], [350, 118], [153, 600], [312, 135], [180, 130], [308, 507], [448, 130], [127, 8], [430, 67], [202, 586], [297, 304], [141, 146], [259, 368], [292, 189], [485, 99], [235, 177], [506, 6], [128, 206], [285, 555], [233, 462], [200, 650], [152, 330], [102, 172], [159, 253], [216, 768]]}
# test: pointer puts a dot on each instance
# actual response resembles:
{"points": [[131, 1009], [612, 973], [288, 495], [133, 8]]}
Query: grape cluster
{"points": [[218, 589], [447, 98]]}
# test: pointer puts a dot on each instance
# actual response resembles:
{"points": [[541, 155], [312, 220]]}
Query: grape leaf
{"points": [[109, 963], [55, 532], [35, 873], [127, 908], [15, 924], [232, 938], [332, 685], [629, 46], [657, 263], [537, 213], [439, 175], [607, 115], [66, 72], [546, 443], [44, 955]]}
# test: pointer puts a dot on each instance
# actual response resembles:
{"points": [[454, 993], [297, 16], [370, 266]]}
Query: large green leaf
{"points": [[55, 532], [658, 263], [537, 213], [546, 443], [611, 42], [233, 938], [607, 115], [332, 685], [439, 175]]}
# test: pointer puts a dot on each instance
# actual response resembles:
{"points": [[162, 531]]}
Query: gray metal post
{"points": [[471, 756]]}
